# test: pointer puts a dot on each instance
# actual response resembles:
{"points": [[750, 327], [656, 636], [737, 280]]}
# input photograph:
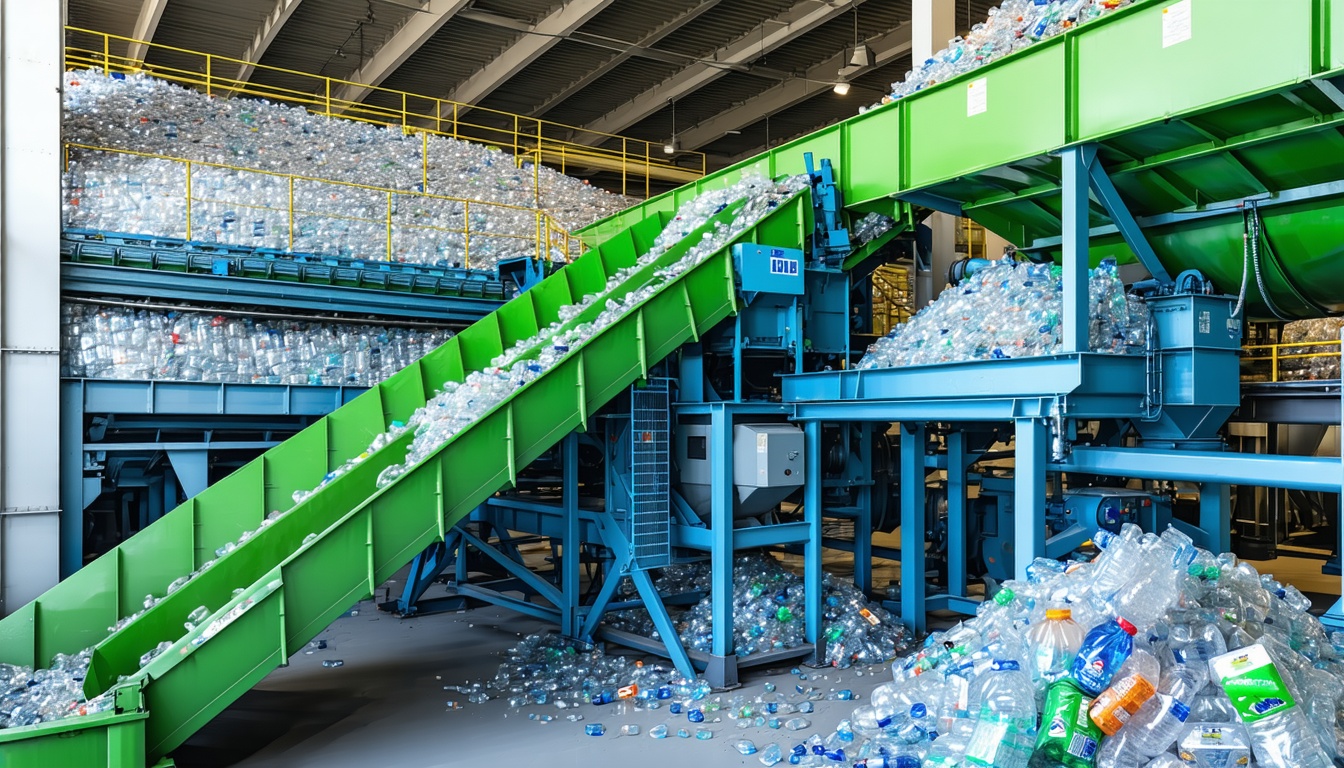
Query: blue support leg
{"points": [[1334, 618], [721, 532], [1075, 162], [425, 568], [1215, 516], [570, 557], [863, 523], [812, 575], [192, 468], [956, 513], [668, 631], [913, 474], [1029, 493]]}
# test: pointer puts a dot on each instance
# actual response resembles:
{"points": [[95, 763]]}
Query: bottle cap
{"points": [[1006, 665], [1058, 614], [1130, 629], [1179, 710], [1004, 596], [1103, 538]]}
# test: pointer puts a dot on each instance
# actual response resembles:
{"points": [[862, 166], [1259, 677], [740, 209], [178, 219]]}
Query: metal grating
{"points": [[650, 470]]}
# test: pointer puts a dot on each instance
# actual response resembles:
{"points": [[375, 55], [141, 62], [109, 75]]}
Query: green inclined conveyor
{"points": [[1248, 108]]}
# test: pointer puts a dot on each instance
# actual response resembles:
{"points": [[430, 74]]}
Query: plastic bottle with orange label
{"points": [[1114, 706]]}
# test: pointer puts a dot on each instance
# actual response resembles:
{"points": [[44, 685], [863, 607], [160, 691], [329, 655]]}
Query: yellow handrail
{"points": [[549, 235], [524, 136], [1276, 354]]}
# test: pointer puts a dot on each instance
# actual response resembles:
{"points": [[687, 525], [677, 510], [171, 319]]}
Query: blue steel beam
{"points": [[1124, 220], [1029, 491], [913, 476], [721, 528], [1261, 470], [812, 575], [216, 290]]}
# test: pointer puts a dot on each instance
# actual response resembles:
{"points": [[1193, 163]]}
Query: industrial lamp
{"points": [[670, 148]]}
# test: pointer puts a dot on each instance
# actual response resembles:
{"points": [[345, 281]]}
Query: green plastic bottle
{"points": [[1067, 738]]}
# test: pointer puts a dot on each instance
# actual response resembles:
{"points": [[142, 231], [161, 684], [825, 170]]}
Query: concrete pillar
{"points": [[30, 226], [933, 23]]}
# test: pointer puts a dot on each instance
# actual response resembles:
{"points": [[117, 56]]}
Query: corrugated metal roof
{"points": [[209, 26], [309, 41], [625, 83], [530, 11], [726, 23], [115, 17]]}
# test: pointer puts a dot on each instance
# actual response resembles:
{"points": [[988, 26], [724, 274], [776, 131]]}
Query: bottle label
{"points": [[1252, 683]]}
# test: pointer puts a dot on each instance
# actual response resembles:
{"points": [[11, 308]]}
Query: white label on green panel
{"points": [[1176, 26], [977, 97]]}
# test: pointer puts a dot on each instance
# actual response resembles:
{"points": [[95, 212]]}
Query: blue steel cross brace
{"points": [[830, 239]]}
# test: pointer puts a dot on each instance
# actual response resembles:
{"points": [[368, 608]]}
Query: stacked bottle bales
{"points": [[1010, 310], [1012, 26], [1324, 363], [117, 192], [104, 342]]}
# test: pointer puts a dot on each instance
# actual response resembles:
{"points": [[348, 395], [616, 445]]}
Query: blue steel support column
{"points": [[1215, 516], [72, 477], [1075, 162], [812, 575], [863, 523], [1029, 494], [956, 513], [721, 530], [913, 474], [570, 554]]}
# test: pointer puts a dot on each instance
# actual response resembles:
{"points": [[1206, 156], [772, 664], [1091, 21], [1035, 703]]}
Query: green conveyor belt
{"points": [[293, 589], [1250, 107]]}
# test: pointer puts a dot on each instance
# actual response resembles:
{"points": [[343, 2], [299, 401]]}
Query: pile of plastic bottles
{"points": [[1311, 368], [1008, 310], [769, 614], [126, 193], [1014, 25], [871, 226], [1156, 654], [104, 342], [29, 696]]}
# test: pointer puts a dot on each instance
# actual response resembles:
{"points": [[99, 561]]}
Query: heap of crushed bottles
{"points": [[107, 342], [769, 613], [119, 192], [1156, 654], [1009, 310], [1014, 25]]}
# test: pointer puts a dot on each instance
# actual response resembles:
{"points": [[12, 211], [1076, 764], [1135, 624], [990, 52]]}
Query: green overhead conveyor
{"points": [[335, 548], [1244, 117], [1250, 107]]}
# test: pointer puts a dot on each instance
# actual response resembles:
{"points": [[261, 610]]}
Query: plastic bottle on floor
{"points": [[1006, 730]]}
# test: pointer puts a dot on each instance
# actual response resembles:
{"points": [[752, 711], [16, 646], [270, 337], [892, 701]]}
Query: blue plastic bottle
{"points": [[1103, 652]]}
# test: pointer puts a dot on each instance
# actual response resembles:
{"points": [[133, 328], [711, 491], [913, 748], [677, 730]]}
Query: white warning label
{"points": [[977, 97], [1176, 23]]}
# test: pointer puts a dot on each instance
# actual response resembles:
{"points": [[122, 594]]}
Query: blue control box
{"points": [[765, 269]]}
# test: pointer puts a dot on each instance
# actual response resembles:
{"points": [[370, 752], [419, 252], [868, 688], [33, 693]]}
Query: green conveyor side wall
{"points": [[1250, 107], [363, 534]]}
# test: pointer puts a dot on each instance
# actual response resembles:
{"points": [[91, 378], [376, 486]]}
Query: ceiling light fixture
{"points": [[862, 55], [670, 148], [841, 86]]}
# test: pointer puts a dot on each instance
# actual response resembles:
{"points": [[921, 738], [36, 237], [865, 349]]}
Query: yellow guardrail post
{"points": [[389, 225], [1274, 364], [107, 56], [424, 162]]}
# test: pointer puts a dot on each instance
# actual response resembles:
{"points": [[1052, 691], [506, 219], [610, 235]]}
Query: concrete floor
{"points": [[386, 706]]}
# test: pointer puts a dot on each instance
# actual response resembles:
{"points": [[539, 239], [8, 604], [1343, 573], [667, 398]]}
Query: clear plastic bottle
{"points": [[1053, 644], [1005, 732], [1280, 732], [1156, 725], [1115, 706], [1147, 597], [1119, 560]]}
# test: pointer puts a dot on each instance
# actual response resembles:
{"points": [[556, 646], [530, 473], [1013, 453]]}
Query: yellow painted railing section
{"points": [[547, 239], [1266, 362], [527, 138]]}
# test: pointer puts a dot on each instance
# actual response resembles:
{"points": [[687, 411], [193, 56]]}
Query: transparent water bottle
{"points": [[1005, 732], [1053, 643]]}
